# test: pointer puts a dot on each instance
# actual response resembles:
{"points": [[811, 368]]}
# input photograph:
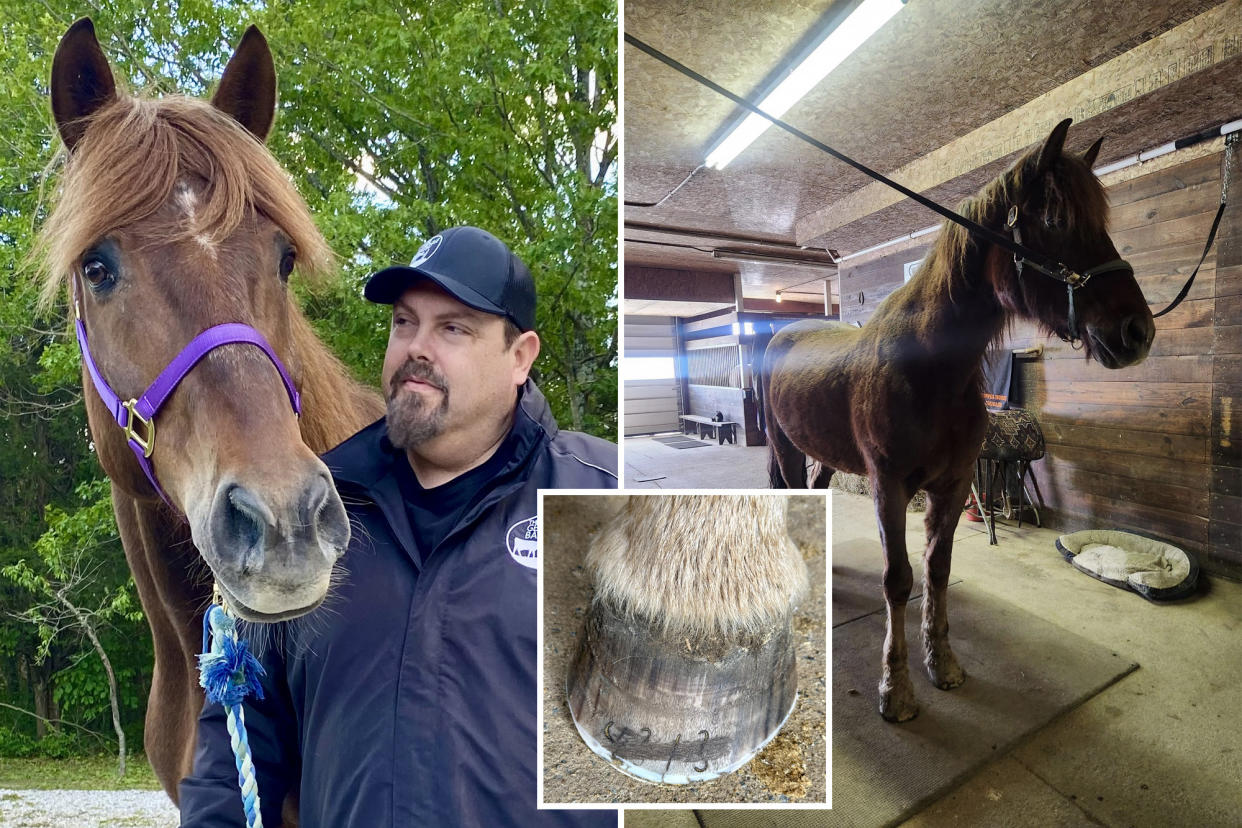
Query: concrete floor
{"points": [[711, 467], [1161, 747]]}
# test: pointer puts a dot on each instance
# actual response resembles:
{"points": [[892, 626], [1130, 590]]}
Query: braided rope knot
{"points": [[229, 672]]}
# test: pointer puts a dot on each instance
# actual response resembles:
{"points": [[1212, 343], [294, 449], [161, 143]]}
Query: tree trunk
{"points": [[114, 698], [42, 686]]}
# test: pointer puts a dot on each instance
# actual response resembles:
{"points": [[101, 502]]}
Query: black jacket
{"points": [[408, 699]]}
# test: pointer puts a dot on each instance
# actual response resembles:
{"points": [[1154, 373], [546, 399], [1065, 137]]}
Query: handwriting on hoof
{"points": [[702, 749], [636, 745]]}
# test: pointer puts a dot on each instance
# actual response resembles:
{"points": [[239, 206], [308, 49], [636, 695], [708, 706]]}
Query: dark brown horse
{"points": [[173, 218], [899, 399]]}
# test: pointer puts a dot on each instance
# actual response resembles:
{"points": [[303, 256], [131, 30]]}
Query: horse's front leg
{"points": [[897, 702], [944, 508]]}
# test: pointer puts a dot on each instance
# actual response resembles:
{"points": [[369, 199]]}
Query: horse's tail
{"points": [[786, 462], [771, 429], [759, 375]]}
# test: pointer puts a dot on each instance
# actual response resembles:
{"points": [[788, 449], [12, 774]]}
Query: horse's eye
{"points": [[97, 273], [286, 264]]}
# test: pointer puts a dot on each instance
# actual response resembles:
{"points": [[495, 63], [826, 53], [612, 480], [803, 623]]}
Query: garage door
{"points": [[649, 375]]}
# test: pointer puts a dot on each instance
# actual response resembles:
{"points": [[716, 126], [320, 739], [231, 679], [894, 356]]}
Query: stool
{"points": [[1012, 436]]}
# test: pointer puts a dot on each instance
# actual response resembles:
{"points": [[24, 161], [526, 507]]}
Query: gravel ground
{"points": [[87, 809]]}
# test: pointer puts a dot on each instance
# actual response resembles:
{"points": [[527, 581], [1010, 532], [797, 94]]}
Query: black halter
{"points": [[1073, 279]]}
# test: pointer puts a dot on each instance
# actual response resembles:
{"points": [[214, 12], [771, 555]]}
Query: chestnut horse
{"points": [[899, 399], [173, 218]]}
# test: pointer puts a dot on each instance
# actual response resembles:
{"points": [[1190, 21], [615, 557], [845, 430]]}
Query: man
{"points": [[409, 698]]}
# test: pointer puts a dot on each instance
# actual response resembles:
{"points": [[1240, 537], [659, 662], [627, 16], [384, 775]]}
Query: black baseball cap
{"points": [[472, 265]]}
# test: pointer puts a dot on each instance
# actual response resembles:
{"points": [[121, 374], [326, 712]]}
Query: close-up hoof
{"points": [[674, 709]]}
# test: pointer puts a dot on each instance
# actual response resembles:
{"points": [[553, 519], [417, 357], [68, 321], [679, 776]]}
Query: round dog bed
{"points": [[1154, 569]]}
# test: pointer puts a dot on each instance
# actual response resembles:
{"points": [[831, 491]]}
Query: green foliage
{"points": [[396, 120], [89, 773], [17, 743]]}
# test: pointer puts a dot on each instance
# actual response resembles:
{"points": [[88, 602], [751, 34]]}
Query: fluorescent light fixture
{"points": [[863, 22], [771, 258]]}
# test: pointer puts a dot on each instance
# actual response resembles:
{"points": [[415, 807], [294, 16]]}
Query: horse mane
{"points": [[1073, 195], [341, 405], [131, 157]]}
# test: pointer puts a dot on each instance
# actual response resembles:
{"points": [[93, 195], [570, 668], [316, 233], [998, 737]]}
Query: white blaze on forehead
{"points": [[187, 200]]}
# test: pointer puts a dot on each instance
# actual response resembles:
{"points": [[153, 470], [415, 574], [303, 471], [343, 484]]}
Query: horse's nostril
{"points": [[1136, 332], [239, 523], [314, 499], [321, 510]]}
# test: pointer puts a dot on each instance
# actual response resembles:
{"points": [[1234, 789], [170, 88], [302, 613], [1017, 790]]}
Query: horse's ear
{"points": [[247, 90], [1089, 156], [81, 81], [1053, 146]]}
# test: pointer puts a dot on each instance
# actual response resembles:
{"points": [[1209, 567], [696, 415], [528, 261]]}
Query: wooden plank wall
{"points": [[1225, 492], [865, 285], [1155, 448]]}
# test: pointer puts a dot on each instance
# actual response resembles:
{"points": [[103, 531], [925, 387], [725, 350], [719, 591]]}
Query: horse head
{"points": [[1052, 203], [174, 218]]}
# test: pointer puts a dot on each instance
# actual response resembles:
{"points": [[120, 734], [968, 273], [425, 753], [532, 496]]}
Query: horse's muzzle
{"points": [[273, 554]]}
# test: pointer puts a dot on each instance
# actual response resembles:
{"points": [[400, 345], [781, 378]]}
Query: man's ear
{"points": [[525, 350]]}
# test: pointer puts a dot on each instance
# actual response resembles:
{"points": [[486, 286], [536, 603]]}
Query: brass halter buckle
{"points": [[146, 442]]}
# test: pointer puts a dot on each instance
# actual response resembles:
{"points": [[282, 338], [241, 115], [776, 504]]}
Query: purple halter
{"points": [[136, 416]]}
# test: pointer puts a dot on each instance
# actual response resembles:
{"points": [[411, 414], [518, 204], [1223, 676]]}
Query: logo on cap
{"points": [[427, 250]]}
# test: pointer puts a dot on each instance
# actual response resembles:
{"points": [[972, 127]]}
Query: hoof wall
{"points": [[898, 705], [669, 710], [945, 673]]}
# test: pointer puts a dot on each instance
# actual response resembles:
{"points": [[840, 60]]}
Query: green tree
{"points": [[80, 590]]}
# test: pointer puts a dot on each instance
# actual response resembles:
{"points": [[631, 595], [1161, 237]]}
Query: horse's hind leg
{"points": [[786, 463], [944, 508], [821, 475], [897, 702]]}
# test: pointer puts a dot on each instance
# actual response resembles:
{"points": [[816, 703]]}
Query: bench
{"points": [[726, 430]]}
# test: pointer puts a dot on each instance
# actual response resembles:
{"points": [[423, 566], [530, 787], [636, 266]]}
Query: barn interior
{"points": [[943, 98]]}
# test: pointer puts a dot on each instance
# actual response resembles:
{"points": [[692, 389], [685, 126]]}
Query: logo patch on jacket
{"points": [[522, 540]]}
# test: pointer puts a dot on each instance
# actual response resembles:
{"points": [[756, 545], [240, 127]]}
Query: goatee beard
{"points": [[413, 419]]}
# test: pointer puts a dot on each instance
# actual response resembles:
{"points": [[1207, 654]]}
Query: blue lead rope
{"points": [[229, 672]]}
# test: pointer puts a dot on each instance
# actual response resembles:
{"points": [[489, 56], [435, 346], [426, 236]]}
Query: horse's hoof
{"points": [[676, 709], [944, 671], [897, 704]]}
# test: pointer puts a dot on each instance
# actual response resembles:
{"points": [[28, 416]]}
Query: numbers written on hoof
{"points": [[637, 745]]}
